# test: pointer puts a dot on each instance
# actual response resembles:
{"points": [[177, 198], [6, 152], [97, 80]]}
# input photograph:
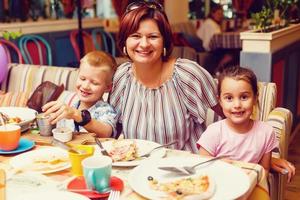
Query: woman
{"points": [[211, 25], [159, 98], [220, 57]]}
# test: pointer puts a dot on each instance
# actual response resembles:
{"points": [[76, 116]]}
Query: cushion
{"points": [[17, 99]]}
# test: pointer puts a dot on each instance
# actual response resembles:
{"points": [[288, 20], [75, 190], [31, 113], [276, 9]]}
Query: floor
{"points": [[293, 189]]}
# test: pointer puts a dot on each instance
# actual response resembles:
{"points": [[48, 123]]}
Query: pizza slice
{"points": [[192, 188], [123, 150]]}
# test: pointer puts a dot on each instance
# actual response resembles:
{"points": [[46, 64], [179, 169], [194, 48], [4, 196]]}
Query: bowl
{"points": [[26, 115], [62, 134], [10, 135]]}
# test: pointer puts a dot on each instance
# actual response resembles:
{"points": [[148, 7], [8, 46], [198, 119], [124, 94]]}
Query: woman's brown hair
{"points": [[238, 73], [131, 20]]}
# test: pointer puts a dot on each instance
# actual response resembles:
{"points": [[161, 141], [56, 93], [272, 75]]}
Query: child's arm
{"points": [[102, 129], [266, 161], [57, 111], [203, 152]]}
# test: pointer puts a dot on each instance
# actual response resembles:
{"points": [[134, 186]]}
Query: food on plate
{"points": [[47, 162], [123, 150], [197, 187], [9, 120]]}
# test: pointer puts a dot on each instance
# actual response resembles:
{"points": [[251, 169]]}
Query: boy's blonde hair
{"points": [[101, 59]]}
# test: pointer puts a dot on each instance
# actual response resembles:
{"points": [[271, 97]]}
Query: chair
{"points": [[35, 50], [281, 120], [8, 45], [87, 43], [105, 42]]}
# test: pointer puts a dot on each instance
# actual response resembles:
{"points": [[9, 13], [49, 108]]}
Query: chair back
{"points": [[104, 41], [87, 43], [8, 46], [35, 50]]}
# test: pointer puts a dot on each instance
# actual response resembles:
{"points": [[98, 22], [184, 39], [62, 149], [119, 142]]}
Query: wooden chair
{"points": [[9, 46], [87, 43], [35, 50], [104, 40]]}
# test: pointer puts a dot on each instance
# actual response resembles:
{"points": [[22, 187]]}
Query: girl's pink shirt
{"points": [[219, 139]]}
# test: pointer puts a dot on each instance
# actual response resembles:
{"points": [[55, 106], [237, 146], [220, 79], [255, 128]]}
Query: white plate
{"points": [[143, 147], [49, 195], [27, 115], [28, 182], [230, 182], [27, 161]]}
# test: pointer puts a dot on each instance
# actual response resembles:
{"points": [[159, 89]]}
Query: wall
{"points": [[177, 10]]}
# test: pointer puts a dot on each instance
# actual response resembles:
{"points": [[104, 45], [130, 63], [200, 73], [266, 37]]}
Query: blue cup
{"points": [[97, 172]]}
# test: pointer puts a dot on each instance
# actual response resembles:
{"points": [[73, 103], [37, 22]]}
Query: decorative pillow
{"points": [[44, 93], [17, 99]]}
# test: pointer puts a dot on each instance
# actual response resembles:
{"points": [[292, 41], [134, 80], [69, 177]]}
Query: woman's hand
{"points": [[57, 111], [284, 167]]}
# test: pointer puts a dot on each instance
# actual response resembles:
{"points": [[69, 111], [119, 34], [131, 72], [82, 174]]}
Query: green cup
{"points": [[97, 172]]}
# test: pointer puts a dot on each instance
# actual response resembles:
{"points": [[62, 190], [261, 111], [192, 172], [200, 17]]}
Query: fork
{"points": [[190, 169], [103, 151], [158, 147], [114, 195]]}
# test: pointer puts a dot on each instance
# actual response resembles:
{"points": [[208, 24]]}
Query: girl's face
{"points": [[91, 84], [145, 46], [237, 100]]}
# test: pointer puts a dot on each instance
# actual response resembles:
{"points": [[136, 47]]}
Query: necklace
{"points": [[150, 84]]}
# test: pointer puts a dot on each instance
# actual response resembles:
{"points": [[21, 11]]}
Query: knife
{"points": [[103, 151], [67, 147]]}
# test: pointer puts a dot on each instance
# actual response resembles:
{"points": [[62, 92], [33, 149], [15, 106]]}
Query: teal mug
{"points": [[97, 172]]}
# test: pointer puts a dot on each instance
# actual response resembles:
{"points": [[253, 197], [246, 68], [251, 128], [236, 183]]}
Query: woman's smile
{"points": [[146, 44]]}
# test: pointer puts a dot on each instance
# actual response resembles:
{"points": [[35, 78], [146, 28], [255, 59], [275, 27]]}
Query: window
{"points": [[227, 7]]}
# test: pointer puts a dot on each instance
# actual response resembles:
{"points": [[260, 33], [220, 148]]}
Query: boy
{"points": [[87, 111]]}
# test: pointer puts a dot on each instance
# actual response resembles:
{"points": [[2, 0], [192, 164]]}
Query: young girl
{"points": [[238, 136], [87, 111]]}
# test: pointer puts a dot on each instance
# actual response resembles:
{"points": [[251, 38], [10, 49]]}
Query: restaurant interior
{"points": [[44, 41]]}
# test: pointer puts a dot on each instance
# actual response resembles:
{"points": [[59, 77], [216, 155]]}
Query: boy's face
{"points": [[91, 84]]}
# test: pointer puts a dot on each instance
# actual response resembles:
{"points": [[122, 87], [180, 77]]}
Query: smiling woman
{"points": [[157, 97]]}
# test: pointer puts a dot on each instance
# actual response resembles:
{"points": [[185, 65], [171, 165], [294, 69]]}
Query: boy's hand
{"points": [[57, 111]]}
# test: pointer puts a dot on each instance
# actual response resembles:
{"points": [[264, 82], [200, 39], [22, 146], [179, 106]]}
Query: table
{"points": [[254, 171], [226, 40]]}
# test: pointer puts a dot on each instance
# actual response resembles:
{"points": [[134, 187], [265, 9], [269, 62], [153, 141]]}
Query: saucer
{"points": [[24, 145], [79, 184]]}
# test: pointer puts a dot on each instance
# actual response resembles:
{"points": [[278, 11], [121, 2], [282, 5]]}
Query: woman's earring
{"points": [[164, 51], [124, 51]]}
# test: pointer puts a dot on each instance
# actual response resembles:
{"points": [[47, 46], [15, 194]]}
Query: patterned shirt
{"points": [[174, 110], [101, 111]]}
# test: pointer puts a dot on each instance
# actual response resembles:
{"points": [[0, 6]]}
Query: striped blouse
{"points": [[174, 110]]}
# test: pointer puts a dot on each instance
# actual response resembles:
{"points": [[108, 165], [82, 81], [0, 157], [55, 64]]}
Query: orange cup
{"points": [[9, 137]]}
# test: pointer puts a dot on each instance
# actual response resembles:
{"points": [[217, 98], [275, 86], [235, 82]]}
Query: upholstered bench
{"points": [[23, 79]]}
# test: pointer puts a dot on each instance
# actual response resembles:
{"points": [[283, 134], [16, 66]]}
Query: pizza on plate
{"points": [[47, 162], [190, 188], [123, 150]]}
